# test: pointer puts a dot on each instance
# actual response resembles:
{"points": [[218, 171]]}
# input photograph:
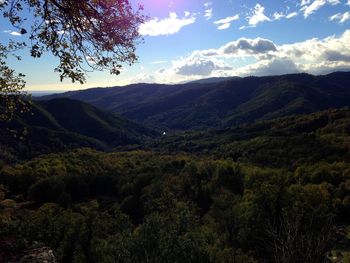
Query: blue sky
{"points": [[193, 39]]}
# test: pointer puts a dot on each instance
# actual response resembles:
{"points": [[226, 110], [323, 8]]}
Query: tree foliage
{"points": [[149, 206], [11, 84], [83, 35]]}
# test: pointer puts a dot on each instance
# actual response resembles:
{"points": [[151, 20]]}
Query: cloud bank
{"points": [[259, 56]]}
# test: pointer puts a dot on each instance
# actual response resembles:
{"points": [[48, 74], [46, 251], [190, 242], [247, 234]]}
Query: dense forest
{"points": [[269, 191]]}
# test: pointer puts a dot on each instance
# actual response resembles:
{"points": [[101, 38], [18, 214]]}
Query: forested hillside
{"points": [[223, 103], [272, 191], [63, 124], [287, 142]]}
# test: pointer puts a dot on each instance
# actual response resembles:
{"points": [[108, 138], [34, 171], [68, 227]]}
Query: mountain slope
{"points": [[62, 124], [82, 118], [221, 104], [288, 142]]}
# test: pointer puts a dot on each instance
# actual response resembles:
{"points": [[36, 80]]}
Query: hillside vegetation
{"points": [[273, 191], [221, 104], [285, 142], [63, 124]]}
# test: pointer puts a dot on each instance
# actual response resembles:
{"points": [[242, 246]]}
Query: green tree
{"points": [[11, 84]]}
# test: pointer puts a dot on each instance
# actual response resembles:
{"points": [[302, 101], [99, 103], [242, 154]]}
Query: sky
{"points": [[184, 40]]}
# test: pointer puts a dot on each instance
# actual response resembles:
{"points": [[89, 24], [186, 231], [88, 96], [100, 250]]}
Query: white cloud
{"points": [[257, 16], [14, 33], [313, 7], [334, 2], [242, 47], [348, 3], [291, 15], [309, 7], [226, 22], [166, 26], [224, 26], [342, 18], [208, 14], [278, 16], [197, 66], [305, 2], [184, 69], [228, 19], [245, 47]]}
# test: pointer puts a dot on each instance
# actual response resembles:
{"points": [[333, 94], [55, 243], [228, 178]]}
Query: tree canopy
{"points": [[84, 35]]}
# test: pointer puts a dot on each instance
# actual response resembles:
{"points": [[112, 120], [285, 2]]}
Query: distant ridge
{"points": [[212, 80], [38, 93], [220, 104]]}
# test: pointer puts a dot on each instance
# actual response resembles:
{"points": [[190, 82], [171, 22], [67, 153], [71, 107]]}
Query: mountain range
{"points": [[222, 103], [105, 118]]}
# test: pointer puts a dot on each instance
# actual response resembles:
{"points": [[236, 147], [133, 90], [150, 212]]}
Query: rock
{"points": [[39, 255]]}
